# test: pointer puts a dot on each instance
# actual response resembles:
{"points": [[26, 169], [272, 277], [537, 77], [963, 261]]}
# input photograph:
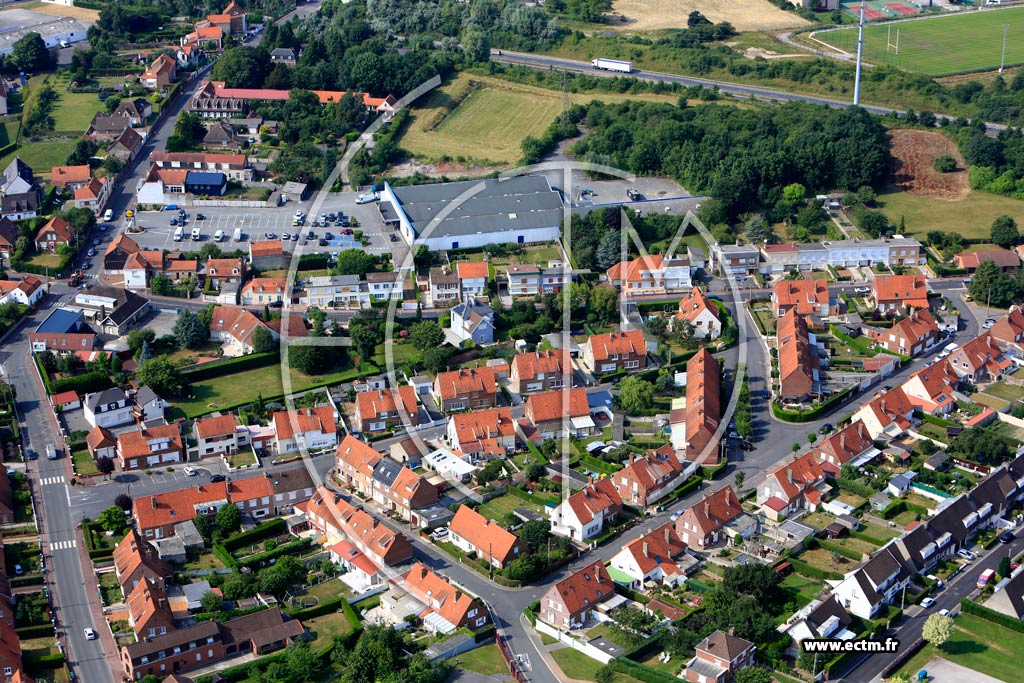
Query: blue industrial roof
{"points": [[59, 321], [204, 178]]}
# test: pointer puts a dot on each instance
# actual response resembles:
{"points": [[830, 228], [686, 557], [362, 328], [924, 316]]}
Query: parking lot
{"points": [[256, 223]]}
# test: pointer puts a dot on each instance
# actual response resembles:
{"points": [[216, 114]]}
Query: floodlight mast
{"points": [[860, 53]]}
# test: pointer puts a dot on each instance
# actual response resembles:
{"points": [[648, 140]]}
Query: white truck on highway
{"points": [[612, 65]]}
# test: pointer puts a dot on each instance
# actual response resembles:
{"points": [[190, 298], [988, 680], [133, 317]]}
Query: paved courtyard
{"points": [[943, 671]]}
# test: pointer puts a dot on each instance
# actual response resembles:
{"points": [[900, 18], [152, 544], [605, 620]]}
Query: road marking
{"points": [[45, 481], [64, 545]]}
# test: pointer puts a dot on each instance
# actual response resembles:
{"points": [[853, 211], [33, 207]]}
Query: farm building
{"points": [[519, 210]]}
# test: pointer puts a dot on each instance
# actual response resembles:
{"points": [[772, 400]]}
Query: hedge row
{"points": [[633, 595], [713, 472], [641, 672], [264, 530], [222, 554], [838, 548], [34, 661], [287, 548], [812, 414], [971, 607], [224, 615], [21, 581], [37, 631], [865, 537], [230, 366], [88, 383], [898, 506], [812, 572], [531, 612], [598, 465], [319, 610]]}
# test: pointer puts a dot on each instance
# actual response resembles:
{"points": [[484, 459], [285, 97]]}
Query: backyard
{"points": [[1005, 391], [801, 588], [577, 665], [826, 561], [110, 590], [84, 464], [497, 508], [486, 660]]}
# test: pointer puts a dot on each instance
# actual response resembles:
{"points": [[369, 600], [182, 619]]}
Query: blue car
{"points": [[171, 207]]}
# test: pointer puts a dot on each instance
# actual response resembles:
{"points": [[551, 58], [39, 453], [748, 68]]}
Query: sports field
{"points": [[936, 46]]}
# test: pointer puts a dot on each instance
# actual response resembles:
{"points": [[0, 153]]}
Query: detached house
{"points": [[646, 479], [234, 327], [701, 313], [806, 297], [887, 416], [651, 557], [473, 320], [466, 389], [792, 488], [473, 277], [933, 390], [70, 178], [221, 272], [523, 279], [264, 291], [150, 447], [583, 514], [384, 409], [718, 657], [482, 434], [569, 603], [702, 524], [471, 532], [1009, 333], [615, 352], [312, 429], [56, 233], [899, 294], [161, 73], [878, 582], [908, 337], [540, 371], [560, 412], [220, 435], [136, 560], [645, 275]]}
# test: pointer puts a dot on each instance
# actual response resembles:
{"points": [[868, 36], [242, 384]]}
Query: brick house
{"points": [[791, 488], [466, 389], [568, 604], [453, 605], [703, 407], [150, 447], [718, 657], [807, 297], [135, 560], [155, 515], [800, 376], [540, 371], [149, 613], [844, 446], [161, 73], [701, 525], [483, 433], [56, 233], [608, 353], [908, 337], [555, 412], [887, 416], [471, 532], [383, 409], [646, 479]]}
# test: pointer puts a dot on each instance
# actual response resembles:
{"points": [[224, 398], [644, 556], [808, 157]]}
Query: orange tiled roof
{"points": [[597, 497], [805, 474], [658, 548], [136, 443], [797, 360], [553, 405], [308, 420], [487, 536], [441, 597], [550, 362], [370, 404], [910, 291], [210, 427], [265, 284], [806, 296], [358, 455], [632, 271], [584, 588], [472, 269], [848, 442], [483, 427], [176, 506], [237, 322], [266, 248], [621, 343], [462, 382], [703, 401], [694, 304], [62, 175], [712, 512]]}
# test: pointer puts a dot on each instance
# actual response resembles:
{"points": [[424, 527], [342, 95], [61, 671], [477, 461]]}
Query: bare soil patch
{"points": [[914, 153], [745, 15], [81, 13]]}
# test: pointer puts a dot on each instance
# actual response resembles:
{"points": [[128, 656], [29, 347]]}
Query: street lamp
{"points": [[1002, 61]]}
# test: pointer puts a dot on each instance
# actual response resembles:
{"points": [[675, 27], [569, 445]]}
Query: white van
{"points": [[179, 234], [238, 235], [218, 236], [108, 215], [196, 234], [51, 452]]}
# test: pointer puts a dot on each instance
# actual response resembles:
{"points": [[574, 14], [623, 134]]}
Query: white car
{"points": [[367, 198], [927, 602], [945, 613], [862, 290], [190, 472], [90, 634], [91, 252], [966, 554]]}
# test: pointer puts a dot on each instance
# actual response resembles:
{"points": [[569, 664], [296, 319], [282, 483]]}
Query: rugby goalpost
{"points": [[889, 45]]}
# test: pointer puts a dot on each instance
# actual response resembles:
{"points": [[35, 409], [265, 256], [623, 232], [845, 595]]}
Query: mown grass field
{"points": [[971, 217], [485, 119], [976, 644], [936, 46]]}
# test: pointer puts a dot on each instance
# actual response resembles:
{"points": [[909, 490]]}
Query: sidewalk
{"points": [[541, 648]]}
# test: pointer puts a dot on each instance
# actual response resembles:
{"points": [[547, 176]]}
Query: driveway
{"points": [[943, 671]]}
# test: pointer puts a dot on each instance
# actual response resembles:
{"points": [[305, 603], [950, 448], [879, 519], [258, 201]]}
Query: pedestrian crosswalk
{"points": [[51, 480], [63, 545]]}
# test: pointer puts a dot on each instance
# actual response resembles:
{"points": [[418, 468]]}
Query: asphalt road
{"points": [[736, 89], [52, 498]]}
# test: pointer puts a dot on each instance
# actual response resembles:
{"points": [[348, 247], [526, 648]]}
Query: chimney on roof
{"points": [[789, 474], [707, 508], [732, 630], [667, 535], [645, 548], [728, 495]]}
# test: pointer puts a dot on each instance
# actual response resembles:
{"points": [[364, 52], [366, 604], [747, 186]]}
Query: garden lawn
{"points": [[47, 260], [404, 354], [328, 626], [243, 387], [922, 214], [486, 660], [882, 533], [1005, 391], [109, 588], [577, 665], [933, 431], [822, 559], [855, 544], [990, 401], [242, 459], [977, 644], [42, 155], [497, 508], [328, 590], [84, 464], [74, 111], [802, 588]]}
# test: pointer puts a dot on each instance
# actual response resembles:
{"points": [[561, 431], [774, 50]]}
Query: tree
{"points": [[105, 464], [123, 501], [138, 337], [754, 674], [991, 286], [189, 132], [211, 602], [160, 375], [1004, 566], [602, 303], [874, 223], [604, 675], [426, 335], [313, 359], [113, 519], [937, 629], [29, 53], [204, 526], [536, 471], [229, 520], [522, 568], [609, 250], [262, 340], [364, 339], [436, 360], [636, 395], [189, 331], [241, 67], [945, 164], [793, 194], [489, 472], [534, 533], [354, 262], [144, 353], [1004, 231], [756, 580]]}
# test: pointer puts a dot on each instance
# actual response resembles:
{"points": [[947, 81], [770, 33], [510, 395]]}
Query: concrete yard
{"points": [[944, 671]]}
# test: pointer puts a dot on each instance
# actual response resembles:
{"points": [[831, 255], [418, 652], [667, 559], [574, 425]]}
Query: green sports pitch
{"points": [[941, 45]]}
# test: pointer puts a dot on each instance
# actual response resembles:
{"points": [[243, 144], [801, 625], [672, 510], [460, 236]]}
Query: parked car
{"points": [[367, 198], [271, 235], [190, 472], [439, 533], [966, 554], [394, 237], [746, 445], [927, 602], [1006, 537], [276, 304], [862, 290], [200, 217], [91, 252], [19, 570], [944, 612], [826, 428], [217, 478], [285, 236], [174, 222], [676, 515], [90, 634]]}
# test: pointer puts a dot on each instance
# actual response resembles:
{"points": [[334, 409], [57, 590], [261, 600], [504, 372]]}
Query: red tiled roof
{"points": [[485, 535], [1004, 258], [657, 548], [307, 420], [370, 404], [262, 285], [848, 442], [584, 588], [176, 506], [632, 271], [694, 304], [551, 362], [210, 427], [358, 455], [90, 190], [62, 175], [349, 553], [240, 323], [910, 291], [805, 474], [472, 269], [63, 397], [266, 248], [60, 227], [100, 437], [461, 382], [556, 404], [806, 296], [136, 443], [797, 360], [225, 267], [712, 512], [449, 602], [480, 430], [621, 343], [703, 402], [597, 497], [1009, 328]]}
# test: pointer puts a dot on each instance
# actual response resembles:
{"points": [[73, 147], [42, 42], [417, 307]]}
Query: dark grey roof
{"points": [[103, 397], [126, 302], [881, 566], [827, 609], [467, 308], [105, 123], [145, 395], [1016, 467], [386, 471], [522, 202], [285, 53], [1010, 600], [198, 632], [937, 460], [725, 646], [995, 488]]}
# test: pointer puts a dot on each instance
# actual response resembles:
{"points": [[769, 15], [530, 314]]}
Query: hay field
{"points": [[80, 13], [745, 15]]}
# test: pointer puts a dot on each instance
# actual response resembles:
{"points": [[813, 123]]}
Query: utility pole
{"points": [[860, 53], [1002, 61]]}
